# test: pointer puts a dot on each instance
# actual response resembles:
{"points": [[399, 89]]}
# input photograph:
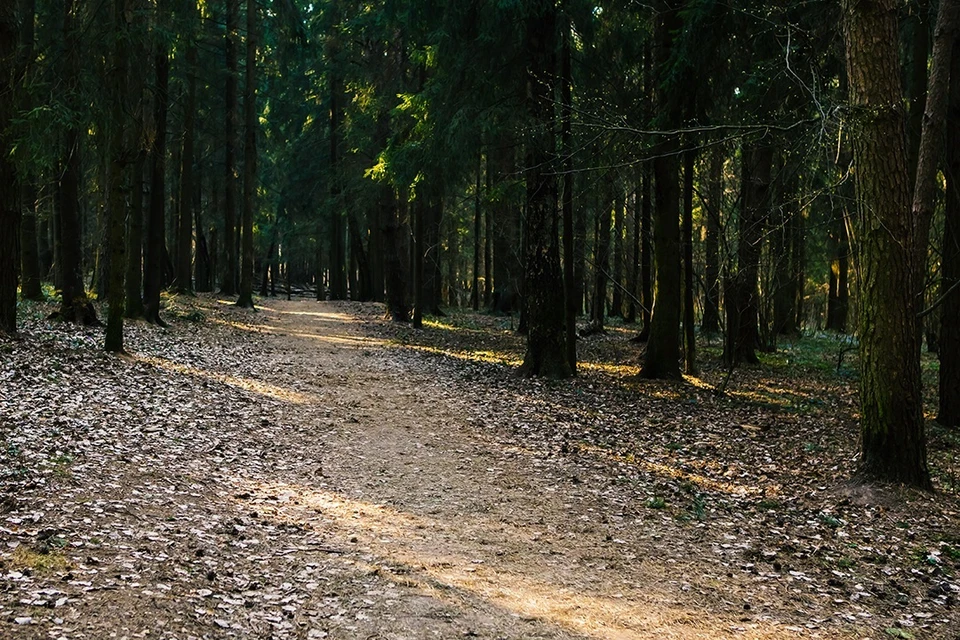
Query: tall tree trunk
{"points": [[185, 221], [570, 289], [419, 241], [338, 259], [743, 329], [245, 299], [601, 262], [713, 206], [392, 262], [948, 410], [893, 443], [786, 257], [477, 239], [228, 283], [646, 249], [9, 196], [616, 308], [546, 353], [662, 358], [487, 245], [119, 156], [154, 249], [689, 336], [75, 306]]}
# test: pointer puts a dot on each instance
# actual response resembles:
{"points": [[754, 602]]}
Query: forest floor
{"points": [[312, 471]]}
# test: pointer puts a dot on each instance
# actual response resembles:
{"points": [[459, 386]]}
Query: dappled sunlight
{"points": [[487, 357], [609, 368], [660, 469], [247, 384], [323, 316], [339, 340], [450, 558]]}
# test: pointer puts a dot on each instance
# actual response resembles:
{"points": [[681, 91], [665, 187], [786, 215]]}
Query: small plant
{"points": [[656, 502], [699, 507], [25, 558], [846, 563], [768, 504], [829, 520]]}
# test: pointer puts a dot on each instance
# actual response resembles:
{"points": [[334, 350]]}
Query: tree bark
{"points": [[9, 196], [743, 329], [713, 206], [570, 289], [546, 354], [119, 156], [228, 283], [245, 299], [893, 443], [689, 295], [662, 358], [948, 409], [154, 249], [184, 276], [75, 306]]}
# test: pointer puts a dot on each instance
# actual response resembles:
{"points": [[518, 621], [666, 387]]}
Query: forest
{"points": [[495, 318]]}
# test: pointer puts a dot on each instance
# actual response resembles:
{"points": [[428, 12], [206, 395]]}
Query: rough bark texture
{"points": [[9, 196], [893, 445], [228, 284], [948, 413], [245, 299], [546, 353]]}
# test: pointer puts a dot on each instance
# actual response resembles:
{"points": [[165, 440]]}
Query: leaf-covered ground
{"points": [[312, 471]]}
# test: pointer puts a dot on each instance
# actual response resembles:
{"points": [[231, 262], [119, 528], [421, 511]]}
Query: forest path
{"points": [[293, 474], [469, 535]]}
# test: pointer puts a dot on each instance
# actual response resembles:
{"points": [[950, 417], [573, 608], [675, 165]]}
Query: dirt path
{"points": [[305, 482]]}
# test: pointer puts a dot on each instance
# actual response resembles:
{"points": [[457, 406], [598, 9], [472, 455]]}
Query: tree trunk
{"points": [[185, 221], [893, 443], [228, 283], [392, 263], [119, 156], [743, 329], [713, 206], [245, 299], [570, 289], [9, 196], [662, 357], [601, 263], [616, 307], [646, 249], [75, 307], [689, 336], [948, 410], [786, 258], [477, 240], [154, 249], [338, 274], [546, 353]]}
